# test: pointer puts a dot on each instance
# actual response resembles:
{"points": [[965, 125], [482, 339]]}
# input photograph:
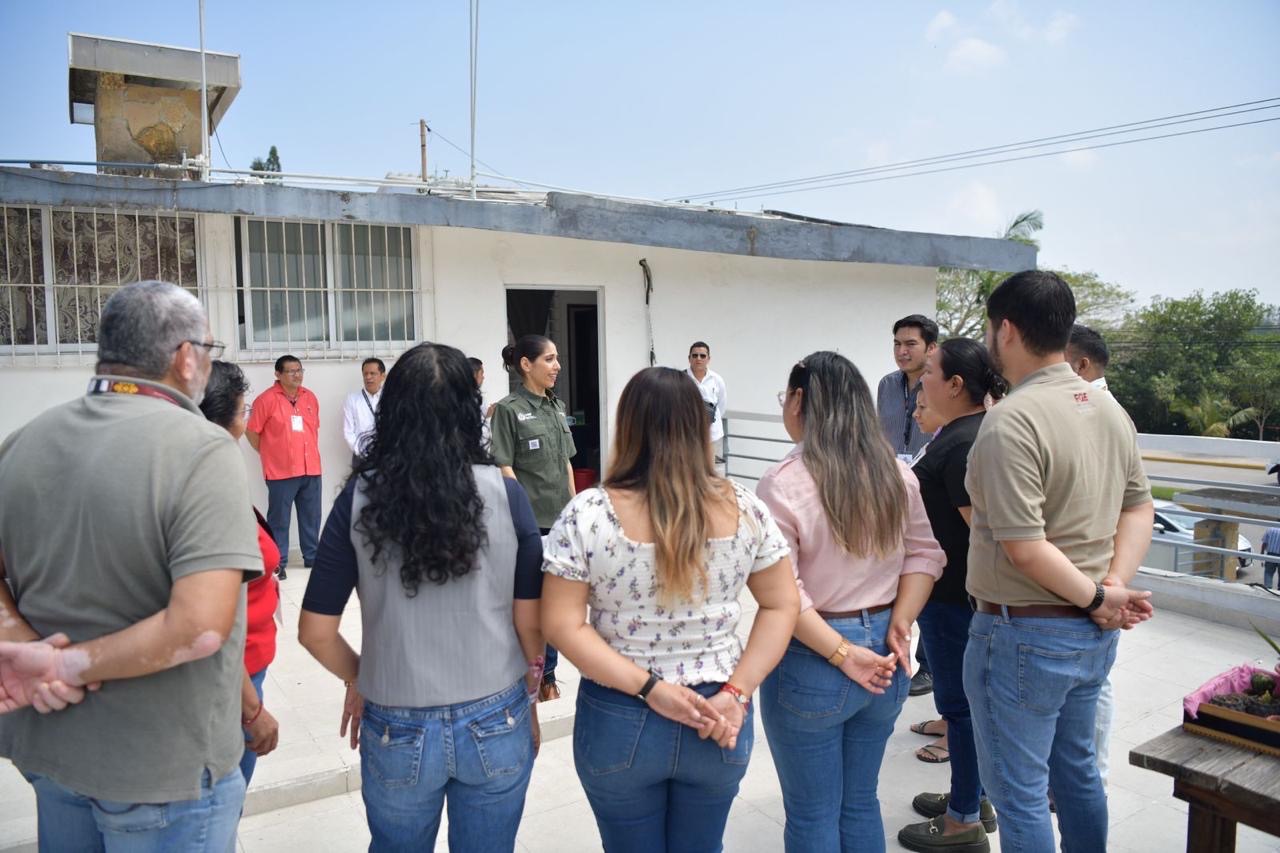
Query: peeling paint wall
{"points": [[134, 123]]}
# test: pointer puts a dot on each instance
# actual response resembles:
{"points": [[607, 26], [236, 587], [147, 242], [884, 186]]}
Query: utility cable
{"points": [[919, 173], [1040, 142]]}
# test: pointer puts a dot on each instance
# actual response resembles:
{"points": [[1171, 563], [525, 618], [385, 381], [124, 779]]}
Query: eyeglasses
{"points": [[699, 355], [215, 348], [294, 371]]}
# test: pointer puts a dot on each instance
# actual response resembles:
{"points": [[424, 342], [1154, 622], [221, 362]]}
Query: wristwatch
{"points": [[1099, 596], [643, 695], [841, 652]]}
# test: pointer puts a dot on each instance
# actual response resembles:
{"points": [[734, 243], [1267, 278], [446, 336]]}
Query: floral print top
{"points": [[692, 643]]}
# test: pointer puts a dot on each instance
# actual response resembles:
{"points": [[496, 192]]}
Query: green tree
{"points": [[1253, 380], [1183, 351], [962, 294], [271, 164]]}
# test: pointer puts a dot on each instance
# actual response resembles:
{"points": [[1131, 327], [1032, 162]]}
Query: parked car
{"points": [[1174, 523]]}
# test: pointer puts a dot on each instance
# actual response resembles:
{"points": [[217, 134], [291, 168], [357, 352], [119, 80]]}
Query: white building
{"points": [[335, 276]]}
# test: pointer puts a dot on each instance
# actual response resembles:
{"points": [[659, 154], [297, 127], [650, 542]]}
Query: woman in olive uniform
{"points": [[532, 444]]}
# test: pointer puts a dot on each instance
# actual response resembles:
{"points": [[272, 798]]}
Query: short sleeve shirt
{"points": [[694, 642], [287, 452], [530, 435], [1057, 459], [941, 471], [105, 502]]}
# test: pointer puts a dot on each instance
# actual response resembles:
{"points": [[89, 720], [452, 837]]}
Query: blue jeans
{"points": [[70, 821], [827, 736], [249, 759], [1033, 689], [282, 495], [1269, 567], [653, 785], [944, 629], [475, 756]]}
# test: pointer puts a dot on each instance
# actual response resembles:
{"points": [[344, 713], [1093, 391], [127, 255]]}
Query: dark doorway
{"points": [[570, 318]]}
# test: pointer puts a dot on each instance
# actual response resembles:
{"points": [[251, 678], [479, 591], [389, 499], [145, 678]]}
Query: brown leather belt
{"points": [[1053, 611], [853, 614]]}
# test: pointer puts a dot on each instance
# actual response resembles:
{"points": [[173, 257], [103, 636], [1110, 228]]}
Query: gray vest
{"points": [[447, 644]]}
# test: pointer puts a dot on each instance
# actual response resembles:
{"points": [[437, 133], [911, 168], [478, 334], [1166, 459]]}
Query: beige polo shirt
{"points": [[1057, 459]]}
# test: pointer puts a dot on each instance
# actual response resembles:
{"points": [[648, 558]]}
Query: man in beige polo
{"points": [[1062, 516]]}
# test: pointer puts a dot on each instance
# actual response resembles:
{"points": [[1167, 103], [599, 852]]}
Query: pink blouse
{"points": [[829, 577]]}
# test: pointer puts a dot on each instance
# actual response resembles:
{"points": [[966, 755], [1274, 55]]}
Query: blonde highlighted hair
{"points": [[662, 450], [845, 451]]}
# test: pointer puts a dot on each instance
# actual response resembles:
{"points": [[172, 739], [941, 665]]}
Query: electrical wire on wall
{"points": [[648, 313]]}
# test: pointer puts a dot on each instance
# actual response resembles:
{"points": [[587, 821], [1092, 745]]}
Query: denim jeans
{"points": [[1102, 728], [1269, 567], [944, 629], [653, 785], [282, 495], [67, 820], [475, 757], [827, 736], [1033, 689], [249, 760]]}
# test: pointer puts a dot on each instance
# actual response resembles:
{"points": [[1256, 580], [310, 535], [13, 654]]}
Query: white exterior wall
{"points": [[759, 315]]}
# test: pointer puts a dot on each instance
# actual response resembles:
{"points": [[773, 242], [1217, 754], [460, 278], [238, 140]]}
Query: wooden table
{"points": [[1224, 785]]}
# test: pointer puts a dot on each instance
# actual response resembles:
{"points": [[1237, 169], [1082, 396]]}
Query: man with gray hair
{"points": [[125, 537]]}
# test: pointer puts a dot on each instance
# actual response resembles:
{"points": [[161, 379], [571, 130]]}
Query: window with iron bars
{"points": [[59, 265], [315, 285]]}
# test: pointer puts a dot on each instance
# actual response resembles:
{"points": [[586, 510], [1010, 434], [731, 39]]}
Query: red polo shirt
{"points": [[287, 452]]}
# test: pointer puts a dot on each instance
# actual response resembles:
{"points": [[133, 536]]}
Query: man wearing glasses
{"points": [[284, 427], [711, 387], [125, 539]]}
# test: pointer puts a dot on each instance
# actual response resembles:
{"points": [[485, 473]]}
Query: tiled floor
{"points": [[1157, 664]]}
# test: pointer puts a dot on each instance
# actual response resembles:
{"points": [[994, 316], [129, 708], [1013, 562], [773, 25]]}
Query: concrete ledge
{"points": [[1212, 461], [1214, 600]]}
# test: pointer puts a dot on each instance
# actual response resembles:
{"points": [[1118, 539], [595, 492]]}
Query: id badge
{"points": [[296, 421]]}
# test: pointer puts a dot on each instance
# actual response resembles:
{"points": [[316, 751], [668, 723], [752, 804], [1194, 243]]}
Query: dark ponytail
{"points": [[972, 363], [529, 346]]}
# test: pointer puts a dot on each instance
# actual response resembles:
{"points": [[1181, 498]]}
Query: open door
{"points": [[571, 319]]}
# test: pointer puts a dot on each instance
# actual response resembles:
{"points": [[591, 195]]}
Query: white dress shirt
{"points": [[357, 418], [711, 387]]}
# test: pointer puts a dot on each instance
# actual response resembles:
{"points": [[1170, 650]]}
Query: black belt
{"points": [[853, 614]]}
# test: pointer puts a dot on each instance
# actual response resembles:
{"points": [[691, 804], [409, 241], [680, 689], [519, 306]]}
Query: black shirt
{"points": [[941, 474]]}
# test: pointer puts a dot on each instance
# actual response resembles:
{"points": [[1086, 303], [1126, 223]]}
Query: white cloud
{"points": [[976, 209], [1009, 15], [1061, 25], [973, 55], [1081, 160], [942, 23]]}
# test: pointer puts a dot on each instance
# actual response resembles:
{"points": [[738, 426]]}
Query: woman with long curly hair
{"points": [[445, 554], [643, 578], [867, 561]]}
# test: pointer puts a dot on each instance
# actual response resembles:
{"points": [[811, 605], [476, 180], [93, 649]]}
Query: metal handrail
{"points": [[1235, 487]]}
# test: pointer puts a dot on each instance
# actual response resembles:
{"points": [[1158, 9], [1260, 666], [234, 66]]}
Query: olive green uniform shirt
{"points": [[1058, 460], [531, 435]]}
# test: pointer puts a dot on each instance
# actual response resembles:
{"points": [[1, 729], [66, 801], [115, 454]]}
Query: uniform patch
{"points": [[535, 443], [526, 416]]}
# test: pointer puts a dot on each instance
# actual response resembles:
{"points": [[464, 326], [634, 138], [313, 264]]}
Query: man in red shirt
{"points": [[284, 428]]}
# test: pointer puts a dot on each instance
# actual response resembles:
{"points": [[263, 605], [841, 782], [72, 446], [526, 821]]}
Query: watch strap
{"points": [[643, 695]]}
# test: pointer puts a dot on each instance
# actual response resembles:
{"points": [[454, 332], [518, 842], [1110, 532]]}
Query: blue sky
{"points": [[661, 99]]}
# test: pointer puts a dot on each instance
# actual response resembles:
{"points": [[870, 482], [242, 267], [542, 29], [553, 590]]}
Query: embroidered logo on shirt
{"points": [[526, 416], [1083, 403]]}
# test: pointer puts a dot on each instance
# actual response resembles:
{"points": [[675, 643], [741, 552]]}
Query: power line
{"points": [[919, 173], [1076, 136], [220, 148], [460, 149]]}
